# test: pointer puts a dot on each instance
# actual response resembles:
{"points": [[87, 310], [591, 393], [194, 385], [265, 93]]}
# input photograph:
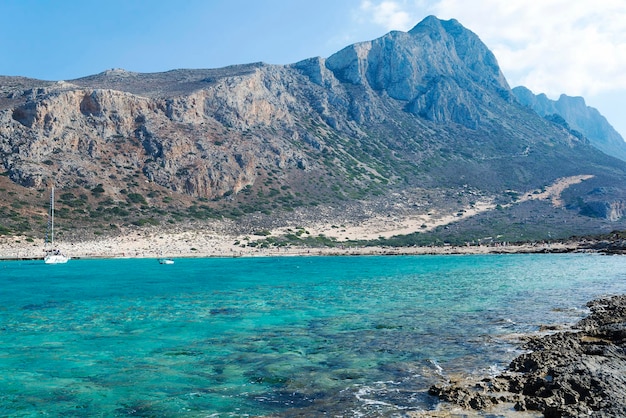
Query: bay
{"points": [[279, 336]]}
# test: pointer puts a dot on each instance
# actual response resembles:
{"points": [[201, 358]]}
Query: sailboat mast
{"points": [[52, 218]]}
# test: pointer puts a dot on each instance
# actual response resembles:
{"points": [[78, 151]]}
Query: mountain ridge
{"points": [[425, 116], [580, 117]]}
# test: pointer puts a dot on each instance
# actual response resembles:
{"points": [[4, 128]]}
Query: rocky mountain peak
{"points": [[441, 70], [452, 36]]}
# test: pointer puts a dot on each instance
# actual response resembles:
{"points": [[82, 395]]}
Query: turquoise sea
{"points": [[285, 336]]}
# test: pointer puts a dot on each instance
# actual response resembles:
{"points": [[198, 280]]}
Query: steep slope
{"points": [[409, 123], [578, 116], [439, 69]]}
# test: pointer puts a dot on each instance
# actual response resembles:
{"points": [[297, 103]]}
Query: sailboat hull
{"points": [[55, 259]]}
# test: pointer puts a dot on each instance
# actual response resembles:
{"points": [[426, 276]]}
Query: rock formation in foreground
{"points": [[567, 374]]}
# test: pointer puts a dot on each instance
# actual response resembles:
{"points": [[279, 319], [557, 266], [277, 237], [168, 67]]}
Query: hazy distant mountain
{"points": [[580, 117], [410, 123]]}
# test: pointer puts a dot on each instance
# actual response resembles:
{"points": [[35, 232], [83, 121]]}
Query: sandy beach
{"points": [[206, 243], [212, 241]]}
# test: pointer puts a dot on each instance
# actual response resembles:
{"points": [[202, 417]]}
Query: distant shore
{"points": [[219, 240], [199, 244]]}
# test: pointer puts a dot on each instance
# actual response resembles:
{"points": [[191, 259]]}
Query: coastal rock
{"points": [[567, 374]]}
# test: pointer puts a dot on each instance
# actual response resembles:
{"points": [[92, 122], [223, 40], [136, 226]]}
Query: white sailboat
{"points": [[53, 255]]}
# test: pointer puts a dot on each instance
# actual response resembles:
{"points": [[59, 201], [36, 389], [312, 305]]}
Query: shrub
{"points": [[144, 222], [136, 198], [98, 190]]}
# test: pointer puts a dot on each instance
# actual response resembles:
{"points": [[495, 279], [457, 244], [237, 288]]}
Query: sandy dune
{"points": [[554, 191]]}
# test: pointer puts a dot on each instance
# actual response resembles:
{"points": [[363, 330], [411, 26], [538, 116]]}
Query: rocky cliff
{"points": [[578, 116], [426, 114]]}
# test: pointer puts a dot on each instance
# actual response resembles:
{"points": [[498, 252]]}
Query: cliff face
{"points": [[428, 109], [440, 70], [580, 117], [193, 144]]}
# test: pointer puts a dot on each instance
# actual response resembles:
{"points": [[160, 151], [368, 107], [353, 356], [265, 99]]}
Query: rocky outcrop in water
{"points": [[567, 374]]}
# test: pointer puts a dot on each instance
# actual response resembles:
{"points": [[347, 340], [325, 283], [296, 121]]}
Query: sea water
{"points": [[284, 336]]}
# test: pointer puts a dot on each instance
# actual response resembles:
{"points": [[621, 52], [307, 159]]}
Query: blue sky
{"points": [[576, 47]]}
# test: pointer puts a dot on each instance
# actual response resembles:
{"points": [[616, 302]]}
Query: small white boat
{"points": [[166, 261], [53, 255]]}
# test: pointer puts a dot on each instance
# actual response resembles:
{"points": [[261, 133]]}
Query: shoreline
{"points": [[576, 372], [224, 247], [219, 239]]}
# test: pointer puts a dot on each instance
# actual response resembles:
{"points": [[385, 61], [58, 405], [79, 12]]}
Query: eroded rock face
{"points": [[609, 210], [431, 67], [568, 374], [427, 108], [181, 143]]}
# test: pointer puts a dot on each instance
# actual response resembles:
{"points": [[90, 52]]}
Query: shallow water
{"points": [[285, 336]]}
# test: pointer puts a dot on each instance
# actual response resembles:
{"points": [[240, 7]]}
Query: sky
{"points": [[573, 47]]}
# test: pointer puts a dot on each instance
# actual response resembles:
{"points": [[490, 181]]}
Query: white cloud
{"points": [[550, 46], [392, 14]]}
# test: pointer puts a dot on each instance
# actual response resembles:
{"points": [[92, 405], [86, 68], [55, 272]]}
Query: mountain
{"points": [[413, 124], [577, 116]]}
